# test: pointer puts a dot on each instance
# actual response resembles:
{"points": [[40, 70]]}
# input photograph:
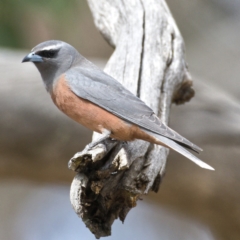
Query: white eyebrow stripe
{"points": [[51, 47]]}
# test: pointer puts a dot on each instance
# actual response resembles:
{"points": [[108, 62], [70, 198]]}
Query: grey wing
{"points": [[101, 89]]}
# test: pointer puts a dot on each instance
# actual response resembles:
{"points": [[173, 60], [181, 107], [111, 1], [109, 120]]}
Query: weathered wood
{"points": [[149, 61], [44, 138]]}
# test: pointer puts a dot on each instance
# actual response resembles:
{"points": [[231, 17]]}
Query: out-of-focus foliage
{"points": [[25, 23], [18, 17]]}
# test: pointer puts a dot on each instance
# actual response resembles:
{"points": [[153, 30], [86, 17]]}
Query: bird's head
{"points": [[52, 58]]}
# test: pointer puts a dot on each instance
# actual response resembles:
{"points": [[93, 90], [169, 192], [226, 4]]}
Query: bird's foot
{"points": [[91, 154], [97, 142]]}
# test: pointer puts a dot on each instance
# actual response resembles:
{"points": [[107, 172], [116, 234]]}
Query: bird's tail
{"points": [[161, 140]]}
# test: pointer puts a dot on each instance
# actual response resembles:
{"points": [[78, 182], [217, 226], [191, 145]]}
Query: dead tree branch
{"points": [[149, 61]]}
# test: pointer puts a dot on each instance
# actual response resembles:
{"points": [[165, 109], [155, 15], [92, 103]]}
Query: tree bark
{"points": [[149, 61]]}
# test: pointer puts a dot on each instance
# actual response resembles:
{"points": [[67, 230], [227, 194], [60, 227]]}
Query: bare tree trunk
{"points": [[149, 61]]}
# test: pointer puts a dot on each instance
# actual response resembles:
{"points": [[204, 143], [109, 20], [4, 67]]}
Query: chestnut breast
{"points": [[89, 114]]}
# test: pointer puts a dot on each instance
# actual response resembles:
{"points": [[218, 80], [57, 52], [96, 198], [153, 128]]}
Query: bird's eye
{"points": [[47, 53]]}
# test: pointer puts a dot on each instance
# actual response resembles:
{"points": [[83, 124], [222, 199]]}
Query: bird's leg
{"points": [[105, 134]]}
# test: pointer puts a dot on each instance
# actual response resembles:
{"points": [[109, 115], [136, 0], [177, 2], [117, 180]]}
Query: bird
{"points": [[99, 102]]}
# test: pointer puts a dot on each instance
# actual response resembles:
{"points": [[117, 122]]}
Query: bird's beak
{"points": [[32, 57]]}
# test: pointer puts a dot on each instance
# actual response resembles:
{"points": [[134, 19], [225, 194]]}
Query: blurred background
{"points": [[36, 140]]}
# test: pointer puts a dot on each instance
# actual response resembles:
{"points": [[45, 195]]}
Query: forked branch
{"points": [[149, 61]]}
